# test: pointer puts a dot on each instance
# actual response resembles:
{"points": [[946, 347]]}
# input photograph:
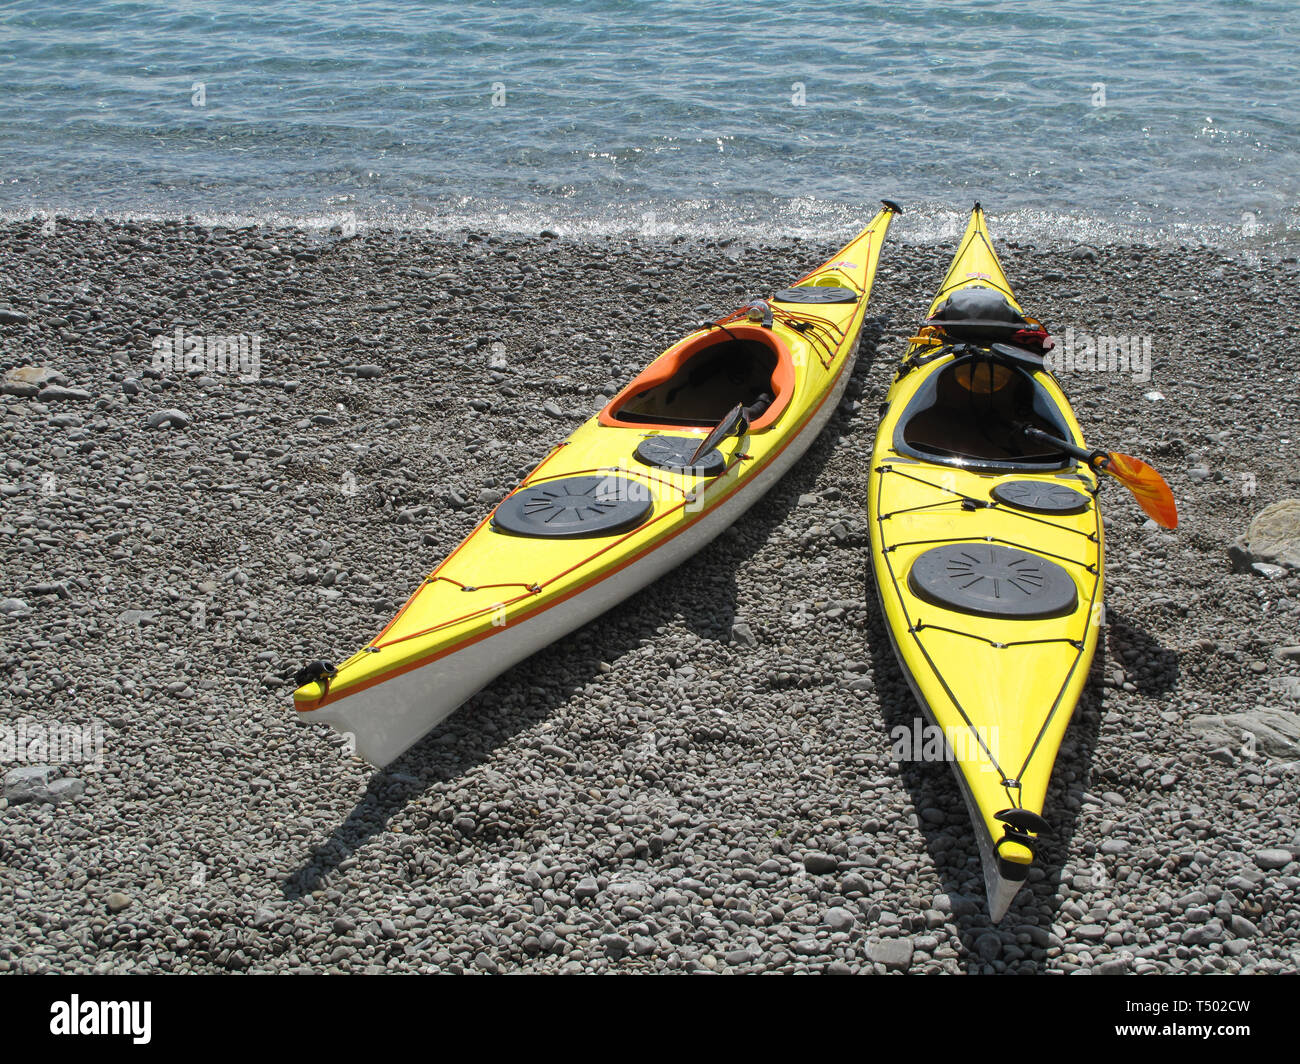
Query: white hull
{"points": [[387, 719]]}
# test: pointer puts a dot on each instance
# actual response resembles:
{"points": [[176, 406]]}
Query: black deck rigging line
{"points": [[945, 288], [915, 359], [975, 504], [791, 318], [830, 349], [805, 326], [1087, 568], [920, 624], [810, 330], [807, 323], [928, 506], [719, 325], [952, 697], [886, 468], [1092, 601]]}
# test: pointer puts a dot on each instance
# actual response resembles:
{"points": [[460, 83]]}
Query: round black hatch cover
{"points": [[990, 580], [674, 453], [1041, 497], [575, 506], [816, 293]]}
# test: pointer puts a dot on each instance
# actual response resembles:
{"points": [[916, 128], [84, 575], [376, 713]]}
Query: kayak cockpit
{"points": [[971, 412], [697, 382]]}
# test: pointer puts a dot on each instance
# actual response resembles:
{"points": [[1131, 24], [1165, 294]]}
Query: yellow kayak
{"points": [[618, 503], [987, 552]]}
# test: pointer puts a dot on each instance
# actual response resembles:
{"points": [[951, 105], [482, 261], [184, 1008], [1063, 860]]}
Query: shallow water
{"points": [[1076, 120]]}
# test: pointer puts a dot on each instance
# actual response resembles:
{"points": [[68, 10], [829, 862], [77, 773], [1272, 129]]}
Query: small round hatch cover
{"points": [[575, 506], [990, 580], [674, 453], [1041, 497], [816, 293]]}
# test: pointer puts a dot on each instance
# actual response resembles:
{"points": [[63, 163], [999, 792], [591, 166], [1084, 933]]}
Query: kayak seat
{"points": [[967, 412], [698, 382]]}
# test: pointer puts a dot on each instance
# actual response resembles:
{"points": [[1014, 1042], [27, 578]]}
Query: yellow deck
{"points": [[1005, 688]]}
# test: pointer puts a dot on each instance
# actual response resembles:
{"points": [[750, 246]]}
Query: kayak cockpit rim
{"points": [[967, 411], [668, 394]]}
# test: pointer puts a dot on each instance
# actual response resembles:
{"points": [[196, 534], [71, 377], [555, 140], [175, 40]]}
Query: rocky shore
{"points": [[702, 780]]}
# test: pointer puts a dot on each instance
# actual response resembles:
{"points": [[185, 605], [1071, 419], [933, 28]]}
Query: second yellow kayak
{"points": [[987, 552]]}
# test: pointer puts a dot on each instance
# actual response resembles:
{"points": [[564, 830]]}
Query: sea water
{"points": [[1078, 120]]}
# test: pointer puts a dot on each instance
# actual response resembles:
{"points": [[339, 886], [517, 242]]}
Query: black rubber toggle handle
{"points": [[1024, 820], [314, 673]]}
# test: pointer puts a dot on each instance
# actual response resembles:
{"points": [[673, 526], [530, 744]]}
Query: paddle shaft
{"points": [[735, 421], [1148, 486], [1093, 459]]}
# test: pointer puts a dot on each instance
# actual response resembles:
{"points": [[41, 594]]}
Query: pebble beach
{"points": [[699, 781]]}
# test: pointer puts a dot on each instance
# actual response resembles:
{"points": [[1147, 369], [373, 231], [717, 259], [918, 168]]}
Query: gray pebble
{"points": [[891, 952], [56, 393], [1273, 859], [27, 783], [742, 634], [820, 863], [64, 789], [169, 419]]}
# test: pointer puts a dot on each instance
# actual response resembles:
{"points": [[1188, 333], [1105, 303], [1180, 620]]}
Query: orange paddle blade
{"points": [[1147, 486]]}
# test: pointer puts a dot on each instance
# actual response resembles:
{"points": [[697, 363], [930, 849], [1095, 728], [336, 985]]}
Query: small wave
{"points": [[807, 219]]}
